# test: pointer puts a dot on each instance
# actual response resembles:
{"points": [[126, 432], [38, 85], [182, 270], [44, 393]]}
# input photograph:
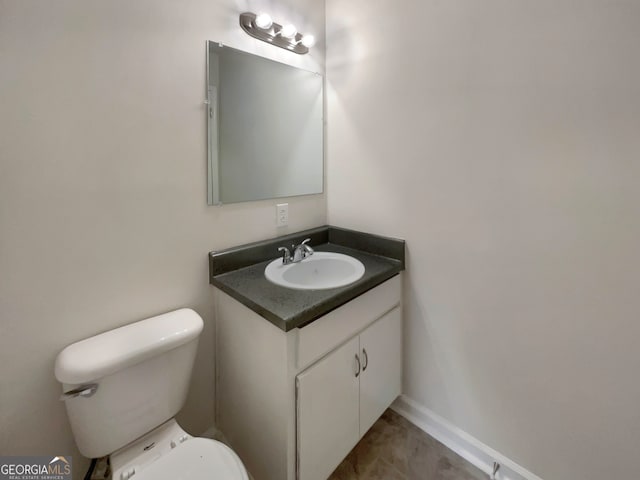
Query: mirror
{"points": [[265, 128]]}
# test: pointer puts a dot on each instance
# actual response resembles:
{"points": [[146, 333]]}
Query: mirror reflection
{"points": [[265, 128]]}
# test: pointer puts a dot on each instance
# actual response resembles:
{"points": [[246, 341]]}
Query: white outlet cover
{"points": [[282, 214]]}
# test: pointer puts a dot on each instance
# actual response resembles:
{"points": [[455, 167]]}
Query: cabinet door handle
{"points": [[366, 359], [358, 360]]}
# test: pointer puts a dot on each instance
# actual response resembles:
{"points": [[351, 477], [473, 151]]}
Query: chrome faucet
{"points": [[300, 252]]}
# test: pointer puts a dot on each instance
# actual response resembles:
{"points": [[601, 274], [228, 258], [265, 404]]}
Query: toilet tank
{"points": [[142, 372]]}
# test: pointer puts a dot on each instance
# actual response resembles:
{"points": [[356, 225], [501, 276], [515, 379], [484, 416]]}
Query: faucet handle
{"points": [[301, 251], [306, 247], [302, 245], [286, 255]]}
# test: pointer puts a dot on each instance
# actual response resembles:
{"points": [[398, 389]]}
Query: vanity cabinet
{"points": [[293, 404], [328, 410], [340, 397]]}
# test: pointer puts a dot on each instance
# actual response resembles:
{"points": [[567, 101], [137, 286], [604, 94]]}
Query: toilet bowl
{"points": [[169, 453], [122, 389]]}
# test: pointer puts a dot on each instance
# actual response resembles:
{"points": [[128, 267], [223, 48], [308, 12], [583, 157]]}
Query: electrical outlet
{"points": [[282, 214]]}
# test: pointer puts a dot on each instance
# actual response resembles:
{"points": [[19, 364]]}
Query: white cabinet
{"points": [[381, 378], [342, 395], [293, 404], [327, 412]]}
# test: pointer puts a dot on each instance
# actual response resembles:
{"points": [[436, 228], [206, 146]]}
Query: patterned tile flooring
{"points": [[395, 449]]}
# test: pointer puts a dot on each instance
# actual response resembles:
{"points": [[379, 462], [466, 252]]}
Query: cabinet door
{"points": [[381, 378], [327, 412]]}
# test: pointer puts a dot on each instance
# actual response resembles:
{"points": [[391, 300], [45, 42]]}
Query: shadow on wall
{"points": [[434, 357], [346, 50], [421, 339]]}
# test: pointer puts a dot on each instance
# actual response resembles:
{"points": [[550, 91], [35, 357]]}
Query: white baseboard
{"points": [[468, 447]]}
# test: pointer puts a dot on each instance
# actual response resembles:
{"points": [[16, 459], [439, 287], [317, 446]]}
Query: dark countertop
{"points": [[239, 272]]}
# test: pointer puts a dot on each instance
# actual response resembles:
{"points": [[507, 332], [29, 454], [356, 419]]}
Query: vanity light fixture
{"points": [[288, 31], [262, 27], [308, 41], [263, 21]]}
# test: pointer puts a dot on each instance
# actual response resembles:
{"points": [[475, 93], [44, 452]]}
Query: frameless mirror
{"points": [[265, 128]]}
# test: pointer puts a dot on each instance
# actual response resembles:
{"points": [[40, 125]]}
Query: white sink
{"points": [[320, 271]]}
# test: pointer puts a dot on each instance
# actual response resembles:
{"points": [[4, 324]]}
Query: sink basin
{"points": [[320, 271]]}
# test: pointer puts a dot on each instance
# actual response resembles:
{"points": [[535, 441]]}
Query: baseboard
{"points": [[468, 447]]}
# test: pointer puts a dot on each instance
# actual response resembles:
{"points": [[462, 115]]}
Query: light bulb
{"points": [[288, 31], [263, 21], [308, 41]]}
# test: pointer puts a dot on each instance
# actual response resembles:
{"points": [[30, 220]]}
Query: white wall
{"points": [[500, 139], [103, 214]]}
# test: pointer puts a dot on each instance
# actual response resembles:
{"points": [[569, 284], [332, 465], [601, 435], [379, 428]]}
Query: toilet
{"points": [[122, 389]]}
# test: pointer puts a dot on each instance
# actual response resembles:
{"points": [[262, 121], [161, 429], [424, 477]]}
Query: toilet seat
{"points": [[195, 459]]}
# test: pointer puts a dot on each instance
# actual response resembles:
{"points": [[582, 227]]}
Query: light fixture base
{"points": [[270, 35]]}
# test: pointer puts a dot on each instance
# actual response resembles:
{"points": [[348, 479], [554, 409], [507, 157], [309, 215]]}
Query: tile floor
{"points": [[395, 449]]}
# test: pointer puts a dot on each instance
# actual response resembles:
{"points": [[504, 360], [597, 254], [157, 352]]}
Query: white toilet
{"points": [[122, 390]]}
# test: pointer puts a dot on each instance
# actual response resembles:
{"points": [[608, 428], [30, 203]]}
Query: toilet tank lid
{"points": [[109, 352]]}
